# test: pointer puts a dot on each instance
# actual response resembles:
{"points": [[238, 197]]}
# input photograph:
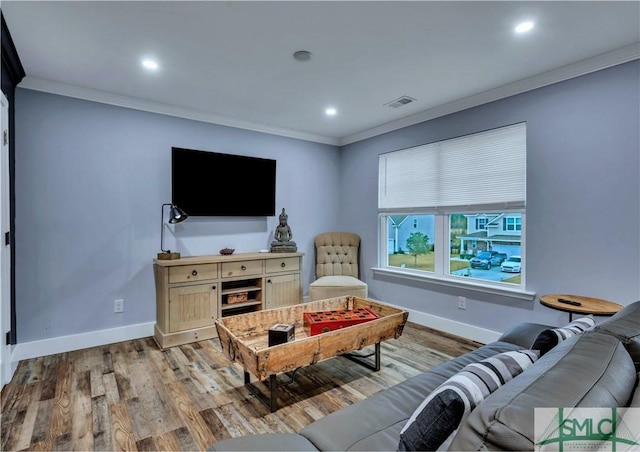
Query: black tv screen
{"points": [[214, 184]]}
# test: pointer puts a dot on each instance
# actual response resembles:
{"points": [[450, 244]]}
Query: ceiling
{"points": [[231, 62]]}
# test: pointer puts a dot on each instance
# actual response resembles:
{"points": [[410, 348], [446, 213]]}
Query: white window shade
{"points": [[483, 169]]}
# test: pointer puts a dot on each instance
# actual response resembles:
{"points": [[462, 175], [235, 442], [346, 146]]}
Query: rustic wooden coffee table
{"points": [[244, 339]]}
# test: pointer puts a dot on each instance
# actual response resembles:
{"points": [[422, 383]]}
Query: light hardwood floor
{"points": [[133, 396]]}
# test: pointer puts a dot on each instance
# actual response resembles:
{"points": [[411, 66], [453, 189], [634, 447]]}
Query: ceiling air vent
{"points": [[399, 102]]}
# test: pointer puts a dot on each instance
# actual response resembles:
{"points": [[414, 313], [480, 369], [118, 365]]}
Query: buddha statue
{"points": [[283, 236]]}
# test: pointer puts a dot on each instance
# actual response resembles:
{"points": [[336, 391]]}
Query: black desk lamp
{"points": [[176, 215]]}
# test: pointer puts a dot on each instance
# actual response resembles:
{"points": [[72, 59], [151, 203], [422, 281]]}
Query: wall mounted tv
{"points": [[214, 184]]}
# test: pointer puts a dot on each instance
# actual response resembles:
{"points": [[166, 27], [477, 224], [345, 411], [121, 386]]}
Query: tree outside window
{"points": [[417, 244]]}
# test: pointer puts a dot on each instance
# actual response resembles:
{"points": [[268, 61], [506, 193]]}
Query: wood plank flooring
{"points": [[133, 396]]}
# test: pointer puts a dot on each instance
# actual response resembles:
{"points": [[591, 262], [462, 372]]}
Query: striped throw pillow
{"points": [[553, 336], [439, 415]]}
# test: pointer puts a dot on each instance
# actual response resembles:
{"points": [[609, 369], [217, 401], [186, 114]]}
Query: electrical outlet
{"points": [[462, 302], [118, 306]]}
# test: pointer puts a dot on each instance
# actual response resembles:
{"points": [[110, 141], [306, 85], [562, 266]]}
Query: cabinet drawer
{"points": [[189, 273], [283, 265], [241, 268]]}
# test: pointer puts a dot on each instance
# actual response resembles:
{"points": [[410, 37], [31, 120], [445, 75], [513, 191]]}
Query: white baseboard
{"points": [[63, 344], [454, 327]]}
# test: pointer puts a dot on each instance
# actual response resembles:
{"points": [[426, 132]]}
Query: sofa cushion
{"points": [[548, 339], [625, 325], [375, 423], [586, 370], [441, 412]]}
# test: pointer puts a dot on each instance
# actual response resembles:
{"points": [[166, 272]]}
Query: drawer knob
{"points": [[194, 273], [243, 268], [269, 281], [283, 265], [213, 287]]}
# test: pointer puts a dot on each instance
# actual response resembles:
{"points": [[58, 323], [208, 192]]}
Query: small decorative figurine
{"points": [[283, 236]]}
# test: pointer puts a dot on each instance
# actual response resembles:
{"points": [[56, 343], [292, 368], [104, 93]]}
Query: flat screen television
{"points": [[214, 184]]}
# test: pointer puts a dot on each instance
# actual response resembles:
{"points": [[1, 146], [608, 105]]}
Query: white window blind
{"points": [[485, 169]]}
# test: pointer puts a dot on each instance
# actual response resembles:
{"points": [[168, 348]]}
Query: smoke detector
{"points": [[400, 102], [302, 55]]}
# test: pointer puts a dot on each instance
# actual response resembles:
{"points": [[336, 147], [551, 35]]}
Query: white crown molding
{"points": [[78, 92], [603, 61], [62, 344]]}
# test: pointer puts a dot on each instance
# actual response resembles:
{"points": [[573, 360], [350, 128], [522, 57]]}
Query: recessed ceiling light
{"points": [[330, 111], [524, 27], [150, 64]]}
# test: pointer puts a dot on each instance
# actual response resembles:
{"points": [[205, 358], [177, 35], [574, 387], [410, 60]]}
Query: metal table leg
{"points": [[272, 400], [366, 363], [273, 393]]}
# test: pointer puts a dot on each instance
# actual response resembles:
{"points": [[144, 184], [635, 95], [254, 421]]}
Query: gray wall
{"points": [[583, 197], [90, 182]]}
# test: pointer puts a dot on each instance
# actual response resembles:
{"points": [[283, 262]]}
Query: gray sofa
{"points": [[597, 368]]}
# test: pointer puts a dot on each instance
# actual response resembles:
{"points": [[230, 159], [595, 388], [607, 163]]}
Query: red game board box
{"points": [[323, 321]]}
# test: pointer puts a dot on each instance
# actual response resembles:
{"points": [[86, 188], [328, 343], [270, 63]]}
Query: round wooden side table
{"points": [[578, 304]]}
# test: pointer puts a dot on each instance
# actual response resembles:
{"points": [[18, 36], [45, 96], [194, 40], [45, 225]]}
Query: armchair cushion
{"points": [[336, 286]]}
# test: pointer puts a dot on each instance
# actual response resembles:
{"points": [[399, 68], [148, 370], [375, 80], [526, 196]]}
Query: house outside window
{"points": [[434, 223]]}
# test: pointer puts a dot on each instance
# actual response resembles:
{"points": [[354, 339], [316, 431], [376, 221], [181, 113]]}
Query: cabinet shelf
{"points": [[226, 307], [241, 289]]}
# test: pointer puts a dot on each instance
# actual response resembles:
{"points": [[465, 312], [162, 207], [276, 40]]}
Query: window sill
{"points": [[456, 282]]}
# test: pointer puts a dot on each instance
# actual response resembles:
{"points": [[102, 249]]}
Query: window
{"points": [[408, 248], [512, 224], [454, 210]]}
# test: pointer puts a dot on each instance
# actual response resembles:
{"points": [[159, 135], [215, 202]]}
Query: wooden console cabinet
{"points": [[192, 292]]}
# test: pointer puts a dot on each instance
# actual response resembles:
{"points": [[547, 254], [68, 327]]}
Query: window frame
{"points": [[441, 276], [421, 180]]}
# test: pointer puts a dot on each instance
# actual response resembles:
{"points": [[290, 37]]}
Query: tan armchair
{"points": [[337, 266]]}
